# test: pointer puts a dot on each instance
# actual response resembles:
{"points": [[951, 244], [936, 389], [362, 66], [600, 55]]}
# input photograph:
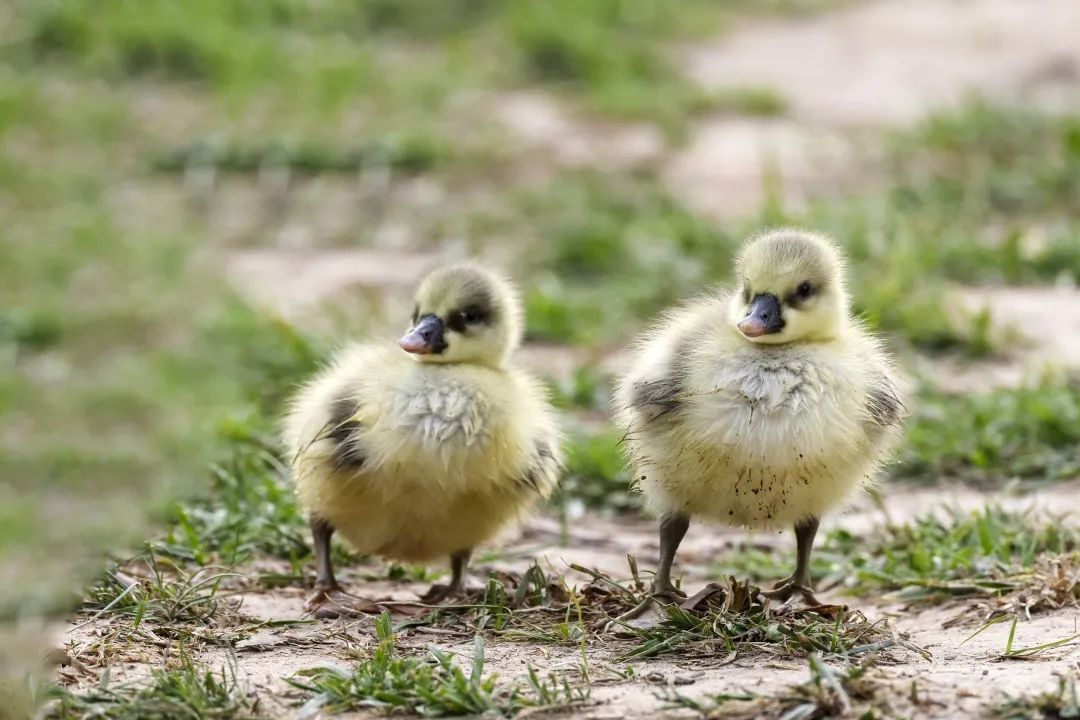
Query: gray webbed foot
{"points": [[785, 589]]}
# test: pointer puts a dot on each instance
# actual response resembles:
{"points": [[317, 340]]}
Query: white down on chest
{"points": [[441, 414], [764, 439]]}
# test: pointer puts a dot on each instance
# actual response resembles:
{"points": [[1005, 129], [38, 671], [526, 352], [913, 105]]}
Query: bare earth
{"points": [[960, 676]]}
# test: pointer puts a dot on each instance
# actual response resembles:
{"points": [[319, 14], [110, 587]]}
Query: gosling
{"points": [[762, 406], [428, 449]]}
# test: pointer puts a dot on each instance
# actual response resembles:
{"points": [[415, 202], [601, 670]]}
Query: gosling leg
{"points": [[672, 531], [321, 532], [459, 563], [800, 582]]}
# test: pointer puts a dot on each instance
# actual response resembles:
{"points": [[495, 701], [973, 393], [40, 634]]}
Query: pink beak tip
{"points": [[750, 328], [413, 343]]}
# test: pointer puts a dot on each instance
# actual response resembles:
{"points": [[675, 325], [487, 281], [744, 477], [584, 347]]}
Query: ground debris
{"points": [[1062, 702], [848, 690], [1052, 584]]}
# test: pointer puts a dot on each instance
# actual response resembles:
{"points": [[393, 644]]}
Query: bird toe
{"points": [[785, 589], [333, 602]]}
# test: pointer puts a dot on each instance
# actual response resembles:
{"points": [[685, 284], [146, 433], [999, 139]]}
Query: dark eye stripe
{"points": [[803, 292], [460, 320]]}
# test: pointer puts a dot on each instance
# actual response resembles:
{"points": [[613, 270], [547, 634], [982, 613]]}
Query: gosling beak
{"points": [[426, 338], [764, 317]]}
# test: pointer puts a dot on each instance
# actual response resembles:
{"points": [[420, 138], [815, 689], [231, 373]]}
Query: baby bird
{"points": [[428, 449], [762, 406]]}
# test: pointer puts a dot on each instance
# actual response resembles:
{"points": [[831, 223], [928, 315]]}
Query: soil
{"points": [[960, 676]]}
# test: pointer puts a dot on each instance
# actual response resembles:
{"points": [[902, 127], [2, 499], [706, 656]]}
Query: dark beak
{"points": [[426, 338], [764, 317]]}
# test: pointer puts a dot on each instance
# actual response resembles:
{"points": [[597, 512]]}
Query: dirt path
{"points": [[960, 675]]}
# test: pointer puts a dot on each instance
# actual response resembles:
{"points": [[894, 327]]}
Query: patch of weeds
{"points": [[1008, 562], [930, 559], [731, 620], [28, 330], [1013, 652], [1058, 704], [614, 51], [1011, 177], [587, 389], [1031, 433], [615, 249], [412, 573], [1052, 583], [186, 691], [268, 357], [596, 473], [552, 314], [616, 54], [152, 590], [406, 153], [538, 606], [541, 607], [756, 101], [852, 690], [980, 195], [431, 687], [619, 248], [250, 508], [765, 562]]}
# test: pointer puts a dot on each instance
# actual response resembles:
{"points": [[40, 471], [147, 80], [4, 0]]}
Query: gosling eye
{"points": [[415, 315], [746, 292], [804, 290], [471, 315]]}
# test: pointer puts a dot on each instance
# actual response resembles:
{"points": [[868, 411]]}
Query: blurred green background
{"points": [[200, 198]]}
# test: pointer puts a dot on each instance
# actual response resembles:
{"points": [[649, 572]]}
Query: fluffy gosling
{"points": [[428, 449], [762, 406]]}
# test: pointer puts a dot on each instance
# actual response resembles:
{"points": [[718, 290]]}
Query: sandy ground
{"points": [[959, 676]]}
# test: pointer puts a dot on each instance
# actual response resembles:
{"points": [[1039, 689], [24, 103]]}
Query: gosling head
{"points": [[791, 288], [464, 314]]}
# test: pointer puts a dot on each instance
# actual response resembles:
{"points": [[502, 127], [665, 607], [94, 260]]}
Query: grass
{"points": [[934, 558], [961, 553], [543, 608], [614, 54], [1012, 652], [851, 690], [252, 509], [1000, 184], [106, 382], [150, 590], [615, 250], [1032, 433], [756, 101], [588, 388], [619, 249], [409, 154], [184, 691], [596, 474], [431, 687], [732, 621]]}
